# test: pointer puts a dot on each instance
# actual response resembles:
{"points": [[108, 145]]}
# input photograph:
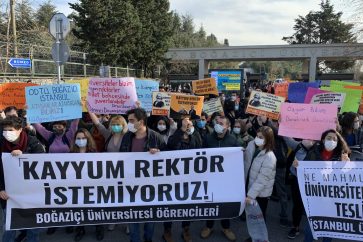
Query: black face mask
{"points": [[58, 131]]}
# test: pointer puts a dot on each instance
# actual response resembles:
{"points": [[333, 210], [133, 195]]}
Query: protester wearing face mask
{"points": [[165, 127], [351, 131], [185, 138], [240, 132], [213, 119], [260, 169], [220, 138], [201, 125], [113, 137], [332, 147], [16, 141], [84, 143], [299, 152], [140, 138], [59, 139]]}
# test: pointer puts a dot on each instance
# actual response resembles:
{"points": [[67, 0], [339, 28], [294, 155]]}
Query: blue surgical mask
{"points": [[116, 128], [201, 124]]}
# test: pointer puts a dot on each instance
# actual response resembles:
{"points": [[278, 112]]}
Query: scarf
{"points": [[21, 145]]}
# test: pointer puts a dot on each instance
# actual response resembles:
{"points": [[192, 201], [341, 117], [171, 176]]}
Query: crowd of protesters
{"points": [[270, 160]]}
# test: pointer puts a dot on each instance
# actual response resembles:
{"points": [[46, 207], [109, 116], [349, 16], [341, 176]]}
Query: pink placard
{"points": [[111, 95], [307, 121], [311, 92]]}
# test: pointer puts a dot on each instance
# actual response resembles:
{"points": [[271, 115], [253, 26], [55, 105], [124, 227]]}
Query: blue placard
{"points": [[20, 63], [144, 89], [53, 102], [297, 90]]}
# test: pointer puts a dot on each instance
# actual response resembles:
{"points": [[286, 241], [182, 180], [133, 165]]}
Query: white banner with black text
{"points": [[55, 190], [332, 193]]}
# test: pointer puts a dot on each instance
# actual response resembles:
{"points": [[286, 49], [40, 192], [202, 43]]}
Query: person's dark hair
{"points": [[347, 121], [61, 122], [215, 114], [140, 114], [9, 109], [229, 105], [342, 146], [204, 114], [13, 122], [268, 134], [167, 123]]}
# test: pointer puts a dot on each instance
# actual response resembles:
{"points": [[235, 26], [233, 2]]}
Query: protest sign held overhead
{"points": [[329, 98], [281, 89], [182, 105], [307, 121], [213, 105], [49, 103], [351, 103], [13, 94], [102, 188], [229, 80], [332, 193], [111, 95], [266, 104], [161, 103], [297, 91], [144, 91], [84, 91], [205, 86], [312, 92]]}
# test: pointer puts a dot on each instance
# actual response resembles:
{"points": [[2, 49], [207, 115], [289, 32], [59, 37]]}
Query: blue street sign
{"points": [[20, 63]]}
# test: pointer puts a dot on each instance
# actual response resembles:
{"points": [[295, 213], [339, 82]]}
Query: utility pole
{"points": [[13, 23]]}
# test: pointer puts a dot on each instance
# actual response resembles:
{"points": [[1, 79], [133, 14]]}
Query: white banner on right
{"points": [[332, 193]]}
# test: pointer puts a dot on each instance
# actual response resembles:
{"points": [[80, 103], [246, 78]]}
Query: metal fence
{"points": [[44, 66]]}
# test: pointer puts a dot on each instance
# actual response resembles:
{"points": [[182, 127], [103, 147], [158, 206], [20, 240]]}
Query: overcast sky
{"points": [[247, 22]]}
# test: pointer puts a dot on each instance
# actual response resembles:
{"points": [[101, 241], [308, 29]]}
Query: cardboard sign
{"points": [[329, 98], [332, 196], [49, 103], [213, 105], [297, 91], [265, 104], [307, 121], [13, 94], [84, 83], [161, 103], [205, 86], [352, 102], [111, 95], [311, 92], [281, 89], [144, 90], [182, 105]]}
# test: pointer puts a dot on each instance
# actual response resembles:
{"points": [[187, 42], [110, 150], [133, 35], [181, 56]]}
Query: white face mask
{"points": [[131, 127], [81, 142], [10, 136], [233, 98], [330, 145], [191, 131], [237, 130], [218, 128], [161, 127], [259, 142], [356, 125]]}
